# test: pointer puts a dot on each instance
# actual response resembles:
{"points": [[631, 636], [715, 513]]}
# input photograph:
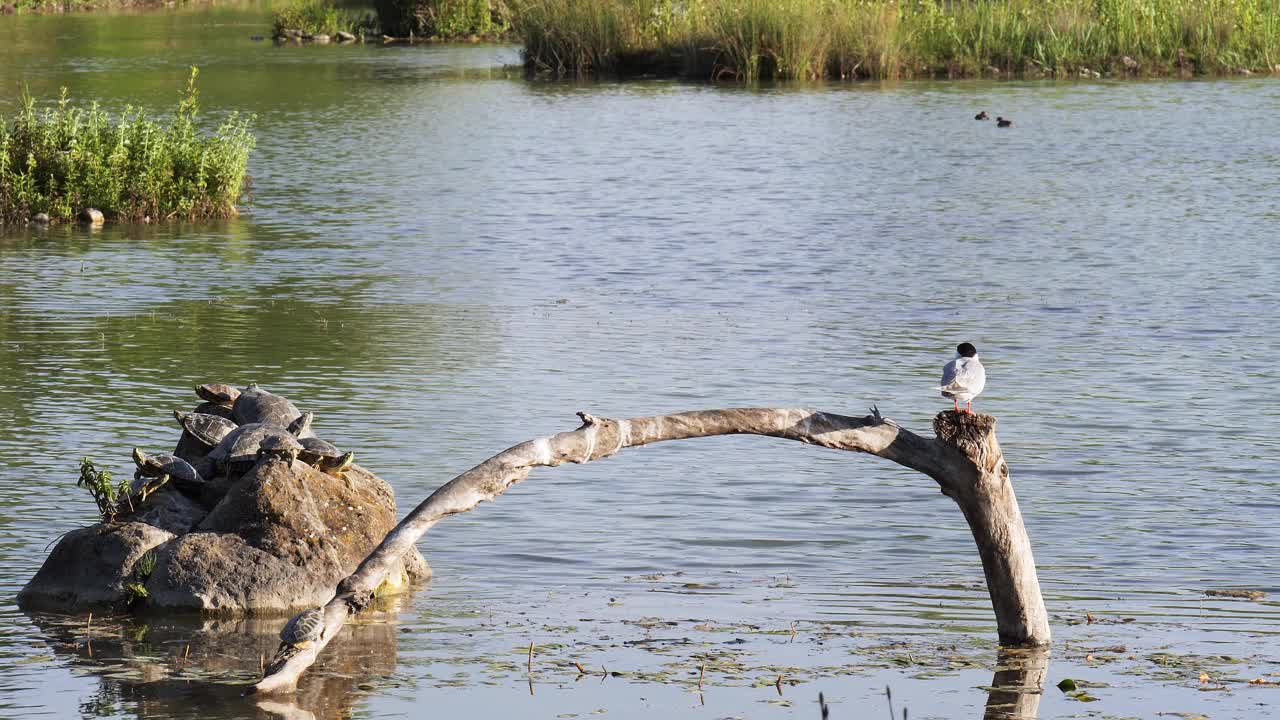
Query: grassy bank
{"points": [[61, 6], [63, 159], [320, 17], [426, 19], [812, 39], [445, 19]]}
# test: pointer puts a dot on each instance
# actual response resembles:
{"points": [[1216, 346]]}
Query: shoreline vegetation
{"points": [[9, 7], [891, 39], [751, 40], [393, 21], [65, 163]]}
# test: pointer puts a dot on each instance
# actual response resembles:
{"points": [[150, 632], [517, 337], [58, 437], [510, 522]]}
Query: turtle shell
{"points": [[281, 446], [304, 628], [320, 448], [256, 405], [241, 445], [140, 482], [325, 456], [180, 472], [218, 393], [208, 429], [209, 408]]}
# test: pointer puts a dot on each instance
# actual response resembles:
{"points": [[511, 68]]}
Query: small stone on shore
{"points": [[91, 216], [40, 218]]}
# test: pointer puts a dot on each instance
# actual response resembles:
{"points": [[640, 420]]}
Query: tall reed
{"points": [[63, 159], [443, 18], [755, 39], [318, 17]]}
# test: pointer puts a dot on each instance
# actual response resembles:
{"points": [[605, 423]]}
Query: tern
{"points": [[964, 377]]}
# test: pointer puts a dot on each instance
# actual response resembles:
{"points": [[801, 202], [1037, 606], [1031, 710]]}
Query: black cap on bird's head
{"points": [[966, 350]]}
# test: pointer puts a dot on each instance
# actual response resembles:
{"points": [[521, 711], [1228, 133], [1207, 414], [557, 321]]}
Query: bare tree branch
{"points": [[965, 460]]}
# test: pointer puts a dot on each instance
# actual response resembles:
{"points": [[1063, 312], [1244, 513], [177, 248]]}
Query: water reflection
{"points": [[165, 667], [1018, 684]]}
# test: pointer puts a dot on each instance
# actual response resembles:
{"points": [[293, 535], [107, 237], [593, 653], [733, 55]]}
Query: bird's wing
{"points": [[949, 374], [964, 375]]}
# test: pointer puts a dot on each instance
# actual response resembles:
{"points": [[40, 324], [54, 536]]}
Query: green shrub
{"points": [[105, 493], [443, 18], [64, 159], [316, 17]]}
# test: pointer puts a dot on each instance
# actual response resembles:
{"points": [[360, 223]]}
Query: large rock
{"points": [[170, 510], [91, 216], [89, 567], [280, 541]]}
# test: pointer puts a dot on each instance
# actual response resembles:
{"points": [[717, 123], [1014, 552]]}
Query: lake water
{"points": [[442, 259]]}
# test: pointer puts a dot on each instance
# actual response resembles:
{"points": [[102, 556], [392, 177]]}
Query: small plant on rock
{"points": [[135, 592], [105, 493]]}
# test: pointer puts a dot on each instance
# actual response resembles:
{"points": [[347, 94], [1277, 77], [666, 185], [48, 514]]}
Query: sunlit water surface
{"points": [[442, 259]]}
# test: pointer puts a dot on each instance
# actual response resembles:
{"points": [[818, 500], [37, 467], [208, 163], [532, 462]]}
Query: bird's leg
{"points": [[968, 407], [957, 403]]}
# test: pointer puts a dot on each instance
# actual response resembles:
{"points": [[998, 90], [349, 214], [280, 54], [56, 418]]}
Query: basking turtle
{"points": [[303, 630], [302, 426], [179, 471], [218, 393], [282, 447], [255, 405], [208, 429], [141, 488], [208, 408], [325, 456], [238, 451]]}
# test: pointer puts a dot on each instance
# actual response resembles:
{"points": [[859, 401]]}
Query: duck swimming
{"points": [[1001, 122], [981, 116]]}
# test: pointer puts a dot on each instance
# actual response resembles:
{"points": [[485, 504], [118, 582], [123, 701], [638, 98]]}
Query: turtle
{"points": [[141, 488], [218, 393], [208, 408], [282, 447], [255, 405], [238, 451], [325, 456], [208, 429], [179, 471], [301, 427], [303, 630]]}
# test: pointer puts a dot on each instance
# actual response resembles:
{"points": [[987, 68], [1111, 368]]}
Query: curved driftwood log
{"points": [[964, 459]]}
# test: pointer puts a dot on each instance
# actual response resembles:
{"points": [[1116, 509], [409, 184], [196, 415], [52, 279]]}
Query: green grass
{"points": [[812, 39], [445, 19], [63, 159], [316, 17], [56, 6]]}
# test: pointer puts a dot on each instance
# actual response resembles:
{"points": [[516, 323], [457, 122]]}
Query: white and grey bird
{"points": [[964, 377]]}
